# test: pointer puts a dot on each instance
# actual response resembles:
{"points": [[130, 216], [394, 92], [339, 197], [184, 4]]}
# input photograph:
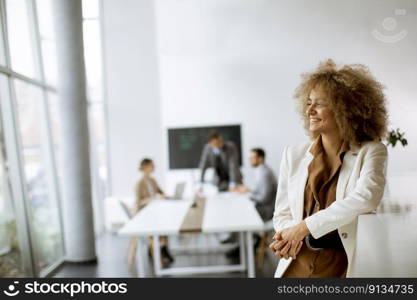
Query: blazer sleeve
{"points": [[282, 217], [363, 199], [203, 165]]}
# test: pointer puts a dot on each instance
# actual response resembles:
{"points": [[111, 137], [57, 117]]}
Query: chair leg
{"points": [[260, 251], [162, 241], [150, 245], [131, 254]]}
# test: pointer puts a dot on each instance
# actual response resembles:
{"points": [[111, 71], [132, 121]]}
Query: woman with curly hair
{"points": [[326, 184]]}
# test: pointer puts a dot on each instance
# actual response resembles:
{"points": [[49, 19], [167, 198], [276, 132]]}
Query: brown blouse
{"points": [[320, 192], [145, 189]]}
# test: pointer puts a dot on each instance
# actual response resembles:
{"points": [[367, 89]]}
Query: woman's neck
{"points": [[331, 143]]}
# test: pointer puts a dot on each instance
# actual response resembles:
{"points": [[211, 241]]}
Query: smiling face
{"points": [[321, 116]]}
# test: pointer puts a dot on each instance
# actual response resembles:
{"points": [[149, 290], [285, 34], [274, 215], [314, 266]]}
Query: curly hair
{"points": [[355, 97]]}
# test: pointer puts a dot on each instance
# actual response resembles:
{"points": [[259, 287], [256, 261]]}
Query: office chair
{"points": [[263, 243]]}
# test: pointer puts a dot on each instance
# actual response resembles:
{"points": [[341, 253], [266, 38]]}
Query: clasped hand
{"points": [[287, 242]]}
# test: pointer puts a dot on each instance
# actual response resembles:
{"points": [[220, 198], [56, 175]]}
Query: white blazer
{"points": [[359, 190]]}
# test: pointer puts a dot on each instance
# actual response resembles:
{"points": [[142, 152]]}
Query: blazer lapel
{"points": [[300, 186], [346, 170]]}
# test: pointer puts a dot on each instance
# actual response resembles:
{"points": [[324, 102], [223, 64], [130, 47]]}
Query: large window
{"points": [[31, 228], [31, 239]]}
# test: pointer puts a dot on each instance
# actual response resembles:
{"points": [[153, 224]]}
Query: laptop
{"points": [[179, 190]]}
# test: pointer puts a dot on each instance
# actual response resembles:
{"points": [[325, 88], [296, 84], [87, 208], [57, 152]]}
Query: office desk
{"points": [[386, 245], [225, 212]]}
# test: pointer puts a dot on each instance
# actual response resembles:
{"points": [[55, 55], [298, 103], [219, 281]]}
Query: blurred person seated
{"points": [[265, 187], [147, 190], [263, 191]]}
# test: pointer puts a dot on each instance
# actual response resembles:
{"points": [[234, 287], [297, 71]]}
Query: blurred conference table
{"points": [[224, 212]]}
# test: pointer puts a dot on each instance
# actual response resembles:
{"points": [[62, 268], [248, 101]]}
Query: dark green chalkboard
{"points": [[186, 144]]}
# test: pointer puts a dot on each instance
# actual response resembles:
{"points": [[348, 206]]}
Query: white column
{"points": [[76, 184]]}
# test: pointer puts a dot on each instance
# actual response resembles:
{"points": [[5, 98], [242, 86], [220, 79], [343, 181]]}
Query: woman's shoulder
{"points": [[298, 150], [372, 146], [141, 181]]}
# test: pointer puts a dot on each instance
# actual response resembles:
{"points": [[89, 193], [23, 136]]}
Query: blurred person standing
{"points": [[223, 156]]}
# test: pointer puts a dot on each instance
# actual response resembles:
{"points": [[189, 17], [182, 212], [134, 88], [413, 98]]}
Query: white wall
{"points": [[238, 61], [132, 89]]}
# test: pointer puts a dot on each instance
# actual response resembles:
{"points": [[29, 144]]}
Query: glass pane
{"points": [[10, 253], [56, 131], [93, 62], [98, 132], [21, 37], [2, 55], [45, 19], [98, 162], [44, 216], [47, 40], [90, 8]]}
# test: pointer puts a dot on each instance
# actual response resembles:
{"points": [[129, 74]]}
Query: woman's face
{"points": [[149, 168], [321, 116]]}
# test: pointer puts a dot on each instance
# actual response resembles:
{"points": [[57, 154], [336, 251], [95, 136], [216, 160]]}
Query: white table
{"points": [[386, 245], [225, 212]]}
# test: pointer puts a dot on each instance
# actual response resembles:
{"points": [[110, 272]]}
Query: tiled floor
{"points": [[112, 259]]}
